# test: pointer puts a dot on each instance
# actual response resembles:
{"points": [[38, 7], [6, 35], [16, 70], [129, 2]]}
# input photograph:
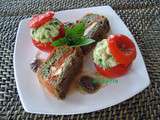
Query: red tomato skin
{"points": [[122, 57], [41, 19], [113, 72]]}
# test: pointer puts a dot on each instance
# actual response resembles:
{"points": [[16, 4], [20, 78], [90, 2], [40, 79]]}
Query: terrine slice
{"points": [[60, 69]]}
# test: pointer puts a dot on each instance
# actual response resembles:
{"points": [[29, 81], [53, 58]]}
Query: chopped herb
{"points": [[33, 31], [56, 23], [43, 37], [47, 28]]}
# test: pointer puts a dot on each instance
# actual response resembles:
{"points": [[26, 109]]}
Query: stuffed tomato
{"points": [[114, 56], [44, 30]]}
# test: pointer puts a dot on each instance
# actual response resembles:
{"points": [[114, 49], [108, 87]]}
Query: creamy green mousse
{"points": [[46, 32], [102, 55]]}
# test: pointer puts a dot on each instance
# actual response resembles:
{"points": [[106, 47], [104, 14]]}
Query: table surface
{"points": [[143, 19]]}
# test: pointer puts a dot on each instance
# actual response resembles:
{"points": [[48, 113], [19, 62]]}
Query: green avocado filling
{"points": [[46, 32], [102, 55]]}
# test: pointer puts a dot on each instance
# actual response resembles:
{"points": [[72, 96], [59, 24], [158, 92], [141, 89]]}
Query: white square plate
{"points": [[35, 100]]}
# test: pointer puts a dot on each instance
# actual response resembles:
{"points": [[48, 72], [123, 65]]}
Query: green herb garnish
{"points": [[74, 37]]}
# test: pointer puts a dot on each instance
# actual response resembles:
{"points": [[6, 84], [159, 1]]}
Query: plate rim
{"points": [[77, 111]]}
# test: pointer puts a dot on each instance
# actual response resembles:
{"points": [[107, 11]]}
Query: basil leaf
{"points": [[59, 42], [82, 42], [76, 31], [74, 37]]}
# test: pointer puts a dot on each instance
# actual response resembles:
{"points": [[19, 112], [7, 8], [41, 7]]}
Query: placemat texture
{"points": [[143, 19]]}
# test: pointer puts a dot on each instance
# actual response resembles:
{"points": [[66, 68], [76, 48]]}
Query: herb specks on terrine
{"points": [[56, 56]]}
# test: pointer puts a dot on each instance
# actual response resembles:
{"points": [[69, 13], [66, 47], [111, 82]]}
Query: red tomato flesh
{"points": [[122, 49], [113, 72], [45, 47]]}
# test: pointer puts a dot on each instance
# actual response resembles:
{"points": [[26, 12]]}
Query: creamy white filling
{"points": [[102, 55], [88, 29]]}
